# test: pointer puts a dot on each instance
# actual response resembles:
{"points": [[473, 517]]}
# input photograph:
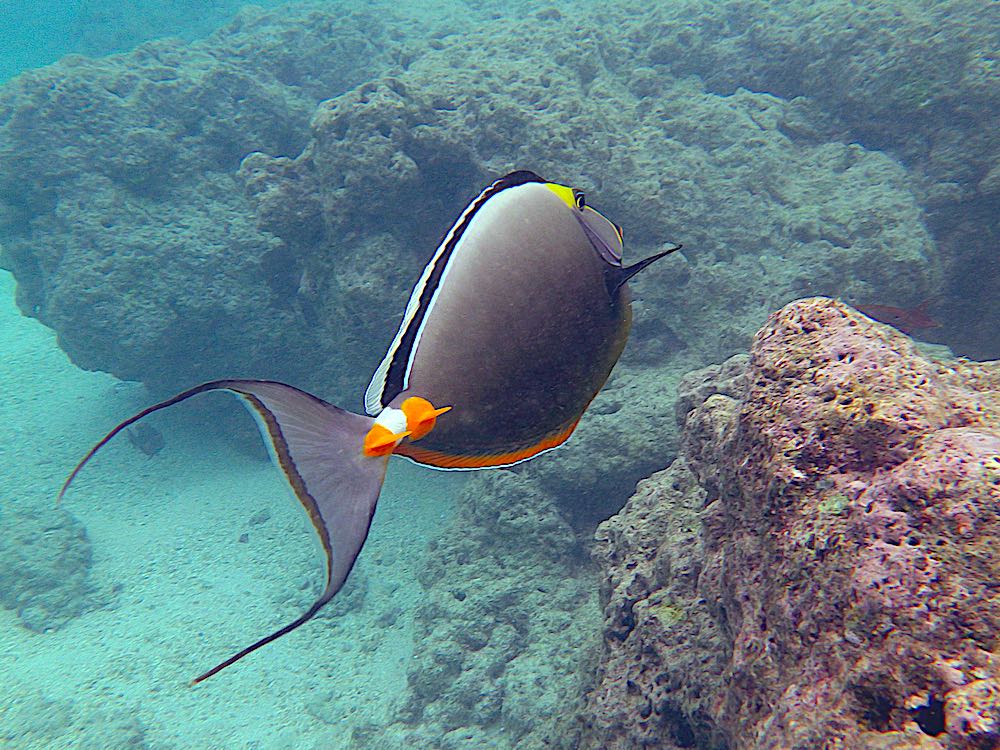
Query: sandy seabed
{"points": [[176, 590]]}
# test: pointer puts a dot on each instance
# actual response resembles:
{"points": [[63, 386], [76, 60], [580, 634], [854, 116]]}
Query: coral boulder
{"points": [[819, 568]]}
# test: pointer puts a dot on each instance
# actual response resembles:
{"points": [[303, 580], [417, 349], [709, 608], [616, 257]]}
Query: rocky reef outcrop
{"points": [[917, 80], [195, 214], [190, 211], [507, 632], [768, 217], [819, 567], [120, 214], [45, 561]]}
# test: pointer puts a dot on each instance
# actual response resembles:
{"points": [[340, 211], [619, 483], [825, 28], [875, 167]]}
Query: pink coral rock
{"points": [[847, 506]]}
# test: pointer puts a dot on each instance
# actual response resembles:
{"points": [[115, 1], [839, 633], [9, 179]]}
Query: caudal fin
{"points": [[318, 448]]}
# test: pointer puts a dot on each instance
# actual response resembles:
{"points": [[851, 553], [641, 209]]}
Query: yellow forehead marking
{"points": [[563, 192]]}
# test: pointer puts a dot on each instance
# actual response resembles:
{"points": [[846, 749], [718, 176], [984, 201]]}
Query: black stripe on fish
{"points": [[390, 378]]}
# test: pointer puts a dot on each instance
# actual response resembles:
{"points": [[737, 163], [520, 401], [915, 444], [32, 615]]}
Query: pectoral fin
{"points": [[318, 448], [615, 276]]}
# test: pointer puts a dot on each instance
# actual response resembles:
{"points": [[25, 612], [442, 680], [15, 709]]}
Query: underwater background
{"points": [[192, 191]]}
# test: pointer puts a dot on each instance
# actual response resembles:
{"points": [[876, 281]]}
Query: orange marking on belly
{"points": [[453, 461]]}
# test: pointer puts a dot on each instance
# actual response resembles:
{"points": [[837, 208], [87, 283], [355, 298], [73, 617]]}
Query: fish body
{"points": [[907, 320], [147, 439], [497, 329], [513, 327]]}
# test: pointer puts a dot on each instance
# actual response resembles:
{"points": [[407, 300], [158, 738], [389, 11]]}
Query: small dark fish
{"points": [[903, 319], [147, 439]]}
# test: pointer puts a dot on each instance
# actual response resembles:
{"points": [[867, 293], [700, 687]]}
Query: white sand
{"points": [[165, 530]]}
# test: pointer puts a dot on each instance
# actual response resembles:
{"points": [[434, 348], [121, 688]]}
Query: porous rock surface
{"points": [[140, 238], [920, 80], [120, 214], [45, 560], [768, 218], [507, 633], [819, 567], [197, 215]]}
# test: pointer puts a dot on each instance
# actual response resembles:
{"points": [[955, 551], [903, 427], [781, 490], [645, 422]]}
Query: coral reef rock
{"points": [[917, 80], [261, 202], [769, 219], [45, 559], [819, 567], [226, 206], [506, 637], [120, 214]]}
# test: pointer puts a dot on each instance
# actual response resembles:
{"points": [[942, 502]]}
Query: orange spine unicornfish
{"points": [[512, 329]]}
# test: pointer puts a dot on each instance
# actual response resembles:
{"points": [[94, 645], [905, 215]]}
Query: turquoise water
{"points": [[39, 34], [257, 198], [173, 590]]}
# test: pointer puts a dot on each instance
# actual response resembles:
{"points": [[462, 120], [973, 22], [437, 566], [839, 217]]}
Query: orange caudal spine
{"points": [[421, 416], [414, 419], [381, 441]]}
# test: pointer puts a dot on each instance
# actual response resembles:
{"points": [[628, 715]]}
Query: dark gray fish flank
{"points": [[523, 331]]}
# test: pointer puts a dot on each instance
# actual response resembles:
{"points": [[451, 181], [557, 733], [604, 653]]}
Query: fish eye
{"points": [[581, 200]]}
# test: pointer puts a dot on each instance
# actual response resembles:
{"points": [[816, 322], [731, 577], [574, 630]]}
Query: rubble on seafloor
{"points": [[819, 567], [45, 563]]}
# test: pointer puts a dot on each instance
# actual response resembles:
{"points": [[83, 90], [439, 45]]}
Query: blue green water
{"points": [[36, 34], [185, 571]]}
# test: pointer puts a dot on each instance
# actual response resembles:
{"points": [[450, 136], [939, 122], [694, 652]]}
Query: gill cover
{"points": [[606, 237]]}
